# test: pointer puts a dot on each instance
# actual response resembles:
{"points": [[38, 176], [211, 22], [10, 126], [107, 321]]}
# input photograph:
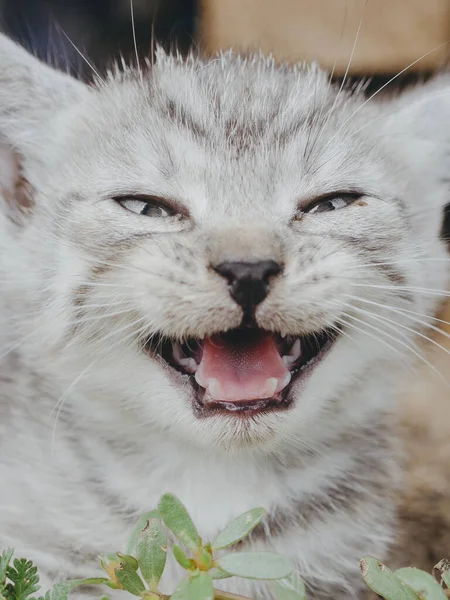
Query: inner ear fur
{"points": [[15, 190]]}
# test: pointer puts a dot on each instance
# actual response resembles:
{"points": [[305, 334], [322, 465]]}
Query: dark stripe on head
{"points": [[180, 117]]}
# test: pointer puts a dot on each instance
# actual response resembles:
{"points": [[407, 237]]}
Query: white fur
{"points": [[92, 431]]}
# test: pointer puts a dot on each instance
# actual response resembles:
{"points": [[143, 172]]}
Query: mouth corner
{"points": [[242, 372]]}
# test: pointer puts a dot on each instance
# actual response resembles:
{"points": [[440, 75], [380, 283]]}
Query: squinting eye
{"points": [[329, 203], [150, 207]]}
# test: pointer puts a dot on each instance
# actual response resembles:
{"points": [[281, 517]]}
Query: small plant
{"points": [[139, 571], [407, 583]]}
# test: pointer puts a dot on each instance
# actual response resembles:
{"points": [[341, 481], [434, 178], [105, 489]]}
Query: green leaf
{"points": [[255, 565], [197, 587], [109, 562], [61, 590], [444, 567], [140, 525], [423, 583], [181, 558], [217, 573], [23, 579], [151, 552], [291, 588], [129, 561], [178, 520], [113, 584], [383, 582], [130, 580], [109, 557], [5, 559], [204, 559], [182, 591], [238, 529]]}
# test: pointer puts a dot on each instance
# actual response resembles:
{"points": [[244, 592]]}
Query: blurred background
{"points": [[367, 38]]}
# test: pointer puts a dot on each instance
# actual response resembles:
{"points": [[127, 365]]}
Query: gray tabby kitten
{"points": [[206, 275]]}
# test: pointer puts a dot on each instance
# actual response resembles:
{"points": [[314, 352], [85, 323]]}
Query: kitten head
{"points": [[229, 251]]}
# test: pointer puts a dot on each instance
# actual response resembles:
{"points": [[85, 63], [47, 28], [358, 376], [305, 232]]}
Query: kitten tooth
{"points": [[199, 379], [284, 382], [189, 364], [271, 386], [177, 353], [215, 389], [296, 349], [288, 361]]}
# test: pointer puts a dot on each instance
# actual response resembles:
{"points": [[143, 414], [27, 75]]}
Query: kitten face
{"points": [[156, 186]]}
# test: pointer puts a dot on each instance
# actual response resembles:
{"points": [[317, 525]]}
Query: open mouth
{"points": [[243, 371]]}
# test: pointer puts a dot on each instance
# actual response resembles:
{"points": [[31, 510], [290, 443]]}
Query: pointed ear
{"points": [[415, 126], [418, 124], [32, 96]]}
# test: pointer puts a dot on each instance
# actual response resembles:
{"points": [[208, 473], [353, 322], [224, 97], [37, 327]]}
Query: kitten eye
{"points": [[331, 202], [150, 207]]}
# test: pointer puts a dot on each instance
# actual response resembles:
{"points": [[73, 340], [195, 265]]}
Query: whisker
{"points": [[133, 28], [338, 95], [369, 334], [405, 327], [379, 90], [401, 288], [402, 261], [59, 404], [80, 53], [403, 344], [405, 312], [115, 332]]}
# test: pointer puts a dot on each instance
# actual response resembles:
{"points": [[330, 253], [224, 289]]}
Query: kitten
{"points": [[206, 273]]}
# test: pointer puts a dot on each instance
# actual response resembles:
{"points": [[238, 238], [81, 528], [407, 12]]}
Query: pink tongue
{"points": [[247, 366]]}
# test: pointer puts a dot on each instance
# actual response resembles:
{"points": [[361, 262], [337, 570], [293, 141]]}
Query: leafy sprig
{"points": [[140, 570]]}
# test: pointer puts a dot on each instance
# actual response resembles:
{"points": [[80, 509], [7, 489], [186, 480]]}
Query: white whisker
{"points": [[403, 344], [80, 54]]}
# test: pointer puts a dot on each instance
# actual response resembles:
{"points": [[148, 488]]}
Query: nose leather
{"points": [[248, 282]]}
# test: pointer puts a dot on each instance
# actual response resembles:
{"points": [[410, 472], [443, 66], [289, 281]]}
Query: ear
{"points": [[418, 124], [416, 128], [32, 96]]}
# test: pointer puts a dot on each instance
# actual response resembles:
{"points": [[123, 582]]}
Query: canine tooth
{"points": [[214, 389], [271, 386], [190, 364], [199, 379], [288, 360], [177, 353], [285, 381], [296, 349]]}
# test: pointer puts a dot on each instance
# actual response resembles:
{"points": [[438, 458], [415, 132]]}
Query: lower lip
{"points": [[242, 409]]}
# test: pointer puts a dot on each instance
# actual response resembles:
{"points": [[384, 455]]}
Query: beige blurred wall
{"points": [[393, 33]]}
